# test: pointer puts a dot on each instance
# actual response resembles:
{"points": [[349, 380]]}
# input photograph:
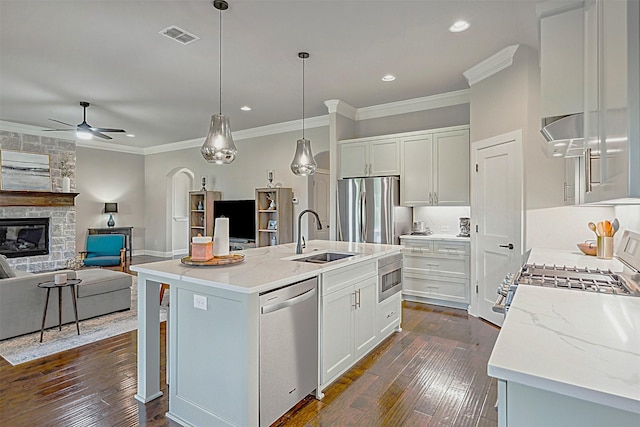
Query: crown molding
{"points": [[38, 131], [491, 65], [342, 108], [415, 104]]}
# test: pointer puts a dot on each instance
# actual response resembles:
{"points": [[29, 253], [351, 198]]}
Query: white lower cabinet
{"points": [[352, 321], [521, 405], [349, 326], [436, 271]]}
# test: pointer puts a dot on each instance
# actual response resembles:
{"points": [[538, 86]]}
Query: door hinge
{"points": [[476, 167], [476, 228], [476, 288]]}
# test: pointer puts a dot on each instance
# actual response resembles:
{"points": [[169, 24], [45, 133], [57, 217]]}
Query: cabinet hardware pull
{"points": [[587, 170], [435, 198]]}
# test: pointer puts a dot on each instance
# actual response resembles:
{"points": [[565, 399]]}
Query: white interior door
{"points": [[321, 204], [180, 214], [497, 211]]}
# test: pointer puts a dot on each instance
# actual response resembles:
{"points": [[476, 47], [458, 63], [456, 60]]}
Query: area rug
{"points": [[28, 347]]}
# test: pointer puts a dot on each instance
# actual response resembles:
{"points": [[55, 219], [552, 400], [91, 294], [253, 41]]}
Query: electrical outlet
{"points": [[444, 228], [200, 302]]}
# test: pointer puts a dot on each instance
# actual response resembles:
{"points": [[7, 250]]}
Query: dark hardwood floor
{"points": [[433, 373]]}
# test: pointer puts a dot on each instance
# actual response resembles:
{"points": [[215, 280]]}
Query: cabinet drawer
{"points": [[440, 288], [451, 248], [417, 246], [345, 276], [439, 266], [389, 312]]}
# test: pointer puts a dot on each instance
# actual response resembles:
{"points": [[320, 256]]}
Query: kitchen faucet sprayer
{"points": [[299, 240]]}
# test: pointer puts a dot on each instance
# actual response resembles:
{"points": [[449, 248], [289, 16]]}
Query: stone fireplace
{"points": [[62, 219]]}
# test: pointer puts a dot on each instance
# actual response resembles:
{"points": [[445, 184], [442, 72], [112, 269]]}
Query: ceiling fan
{"points": [[84, 130]]}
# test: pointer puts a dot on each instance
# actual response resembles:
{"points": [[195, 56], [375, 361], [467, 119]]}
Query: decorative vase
{"points": [[66, 184], [111, 222]]}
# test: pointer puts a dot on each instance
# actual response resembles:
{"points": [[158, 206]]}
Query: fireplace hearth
{"points": [[24, 237]]}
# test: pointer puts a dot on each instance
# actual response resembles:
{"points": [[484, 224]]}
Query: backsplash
{"points": [[442, 219]]}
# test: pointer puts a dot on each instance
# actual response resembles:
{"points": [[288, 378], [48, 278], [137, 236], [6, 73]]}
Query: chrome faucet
{"points": [[300, 238]]}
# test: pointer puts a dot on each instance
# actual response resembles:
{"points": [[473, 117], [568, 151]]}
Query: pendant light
{"points": [[303, 163], [218, 146]]}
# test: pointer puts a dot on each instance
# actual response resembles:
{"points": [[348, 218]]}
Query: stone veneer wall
{"points": [[62, 224]]}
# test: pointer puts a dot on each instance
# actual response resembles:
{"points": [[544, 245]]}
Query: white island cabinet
{"points": [[566, 357], [214, 328]]}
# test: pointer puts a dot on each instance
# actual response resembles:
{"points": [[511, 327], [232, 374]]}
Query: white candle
{"points": [[60, 279], [221, 237]]}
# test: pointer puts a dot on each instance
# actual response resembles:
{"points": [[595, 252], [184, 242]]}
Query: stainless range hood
{"points": [[564, 134]]}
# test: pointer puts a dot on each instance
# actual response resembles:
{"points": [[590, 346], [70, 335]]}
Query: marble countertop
{"points": [[580, 344], [436, 237], [267, 267]]}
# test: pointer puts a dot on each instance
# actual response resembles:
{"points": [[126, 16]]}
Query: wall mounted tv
{"points": [[242, 217]]}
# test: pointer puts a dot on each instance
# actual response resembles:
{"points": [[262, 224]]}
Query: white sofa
{"points": [[101, 292]]}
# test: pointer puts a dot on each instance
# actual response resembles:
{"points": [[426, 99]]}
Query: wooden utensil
{"points": [[608, 228], [600, 228], [592, 227]]}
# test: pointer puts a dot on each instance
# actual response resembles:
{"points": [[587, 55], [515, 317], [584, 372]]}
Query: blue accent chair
{"points": [[105, 250]]}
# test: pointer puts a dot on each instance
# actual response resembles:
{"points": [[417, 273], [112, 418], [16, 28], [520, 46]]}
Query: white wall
{"points": [[427, 119], [109, 176], [236, 181]]}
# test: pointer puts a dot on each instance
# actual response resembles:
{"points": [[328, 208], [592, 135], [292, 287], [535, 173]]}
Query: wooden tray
{"points": [[215, 261]]}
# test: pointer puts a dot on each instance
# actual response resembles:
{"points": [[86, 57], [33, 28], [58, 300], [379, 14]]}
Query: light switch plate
{"points": [[200, 302]]}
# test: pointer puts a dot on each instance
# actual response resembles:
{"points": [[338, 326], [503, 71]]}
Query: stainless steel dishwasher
{"points": [[288, 348]]}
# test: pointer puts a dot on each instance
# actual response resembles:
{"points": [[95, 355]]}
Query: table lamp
{"points": [[111, 208]]}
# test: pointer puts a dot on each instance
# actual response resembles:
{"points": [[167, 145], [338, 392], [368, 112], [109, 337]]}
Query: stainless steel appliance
{"points": [[288, 348], [389, 276], [626, 282], [369, 210]]}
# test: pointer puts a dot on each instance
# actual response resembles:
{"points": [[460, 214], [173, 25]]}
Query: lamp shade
{"points": [[218, 146], [303, 163], [110, 208]]}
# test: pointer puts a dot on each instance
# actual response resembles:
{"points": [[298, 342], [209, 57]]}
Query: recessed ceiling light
{"points": [[389, 78], [130, 135], [245, 108], [459, 26]]}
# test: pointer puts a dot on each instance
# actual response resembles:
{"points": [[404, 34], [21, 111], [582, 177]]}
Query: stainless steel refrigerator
{"points": [[369, 210]]}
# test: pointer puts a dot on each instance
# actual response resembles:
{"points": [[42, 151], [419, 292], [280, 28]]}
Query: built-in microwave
{"points": [[389, 276]]}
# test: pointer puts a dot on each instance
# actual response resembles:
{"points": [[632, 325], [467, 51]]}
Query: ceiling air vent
{"points": [[179, 35]]}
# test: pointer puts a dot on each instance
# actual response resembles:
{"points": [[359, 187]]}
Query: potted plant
{"points": [[65, 170]]}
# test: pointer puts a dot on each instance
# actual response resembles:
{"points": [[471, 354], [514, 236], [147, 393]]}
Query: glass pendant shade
{"points": [[218, 146], [303, 163]]}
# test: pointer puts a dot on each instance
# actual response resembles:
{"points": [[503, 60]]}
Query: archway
{"points": [[179, 183]]}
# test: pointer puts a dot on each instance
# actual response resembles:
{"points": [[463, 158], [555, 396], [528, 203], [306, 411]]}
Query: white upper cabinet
{"points": [[612, 93], [369, 157], [435, 168], [561, 60]]}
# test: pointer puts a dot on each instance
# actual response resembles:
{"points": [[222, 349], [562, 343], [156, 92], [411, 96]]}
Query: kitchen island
{"points": [[565, 357], [214, 326]]}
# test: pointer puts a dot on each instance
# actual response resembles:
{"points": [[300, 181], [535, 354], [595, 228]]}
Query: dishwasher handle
{"points": [[288, 303]]}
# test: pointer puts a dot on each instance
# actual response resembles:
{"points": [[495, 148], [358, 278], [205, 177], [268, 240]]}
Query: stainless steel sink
{"points": [[324, 257]]}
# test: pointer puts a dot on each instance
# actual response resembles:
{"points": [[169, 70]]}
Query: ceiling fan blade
{"points": [[58, 121], [99, 135], [108, 130], [58, 130]]}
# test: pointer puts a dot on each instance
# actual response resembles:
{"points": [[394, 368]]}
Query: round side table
{"points": [[71, 284]]}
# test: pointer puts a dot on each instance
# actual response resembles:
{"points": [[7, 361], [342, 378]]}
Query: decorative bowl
{"points": [[588, 248]]}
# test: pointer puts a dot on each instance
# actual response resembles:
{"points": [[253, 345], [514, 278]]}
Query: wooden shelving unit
{"points": [[201, 219], [282, 215]]}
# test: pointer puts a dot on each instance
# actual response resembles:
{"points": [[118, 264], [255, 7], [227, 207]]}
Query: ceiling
{"points": [[56, 53]]}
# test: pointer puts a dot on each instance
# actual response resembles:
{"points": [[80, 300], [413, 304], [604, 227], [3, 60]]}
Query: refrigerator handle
{"points": [[363, 217], [339, 232]]}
